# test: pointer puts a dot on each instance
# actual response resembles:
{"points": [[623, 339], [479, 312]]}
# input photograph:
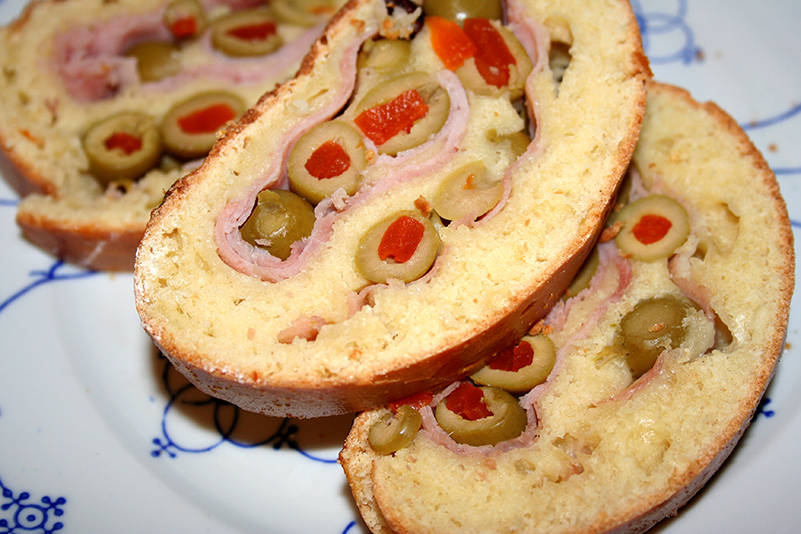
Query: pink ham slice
{"points": [[90, 61], [256, 262]]}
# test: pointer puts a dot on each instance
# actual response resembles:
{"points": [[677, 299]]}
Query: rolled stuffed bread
{"points": [[106, 104], [617, 408], [374, 226]]}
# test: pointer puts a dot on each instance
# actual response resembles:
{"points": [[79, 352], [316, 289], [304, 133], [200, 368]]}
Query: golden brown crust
{"points": [[41, 125], [92, 247], [752, 357], [259, 386]]}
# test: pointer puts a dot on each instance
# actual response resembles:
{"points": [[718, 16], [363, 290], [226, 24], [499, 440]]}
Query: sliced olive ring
{"points": [[401, 247], [459, 10], [468, 192], [304, 12], [378, 113], [184, 18], [542, 353], [122, 147], [517, 142], [189, 128], [328, 157], [651, 327], [395, 431], [385, 55], [472, 79], [507, 420], [248, 32], [279, 219], [653, 228], [155, 60]]}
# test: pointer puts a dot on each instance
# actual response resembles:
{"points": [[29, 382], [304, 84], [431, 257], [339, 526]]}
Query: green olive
{"points": [[584, 276], [507, 420], [516, 142], [155, 60], [385, 55], [330, 156], [189, 128], [472, 79], [402, 247], [501, 374], [184, 18], [304, 12], [248, 32], [395, 431], [651, 327], [653, 228], [379, 110], [279, 219], [468, 192], [122, 147], [458, 10]]}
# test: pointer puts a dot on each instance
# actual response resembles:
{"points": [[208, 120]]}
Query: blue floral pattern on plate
{"points": [[18, 514], [670, 39]]}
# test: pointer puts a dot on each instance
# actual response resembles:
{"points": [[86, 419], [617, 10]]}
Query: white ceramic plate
{"points": [[99, 434]]}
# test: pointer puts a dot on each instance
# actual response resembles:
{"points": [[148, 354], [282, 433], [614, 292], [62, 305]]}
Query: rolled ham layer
{"points": [[405, 166], [91, 64]]}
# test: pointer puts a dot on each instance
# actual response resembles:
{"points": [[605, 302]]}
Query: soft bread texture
{"points": [[608, 455], [65, 211], [221, 327]]}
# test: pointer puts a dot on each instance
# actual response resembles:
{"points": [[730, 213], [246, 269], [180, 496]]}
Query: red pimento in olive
{"points": [[481, 416], [415, 401], [123, 141], [184, 18], [651, 228], [450, 42], [246, 32], [208, 119], [328, 160], [122, 147], [467, 401], [520, 368], [492, 54], [514, 358], [402, 113], [189, 128], [383, 122], [184, 28], [329, 157], [402, 247], [254, 32], [401, 239]]}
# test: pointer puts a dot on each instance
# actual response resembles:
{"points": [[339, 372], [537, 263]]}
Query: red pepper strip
{"points": [[514, 358], [450, 42], [385, 121], [206, 120], [124, 141], [467, 401], [328, 160], [184, 28], [253, 32], [493, 56], [401, 239], [651, 228], [415, 401]]}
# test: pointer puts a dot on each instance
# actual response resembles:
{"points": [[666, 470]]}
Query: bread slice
{"points": [[64, 70], [604, 453], [312, 335]]}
